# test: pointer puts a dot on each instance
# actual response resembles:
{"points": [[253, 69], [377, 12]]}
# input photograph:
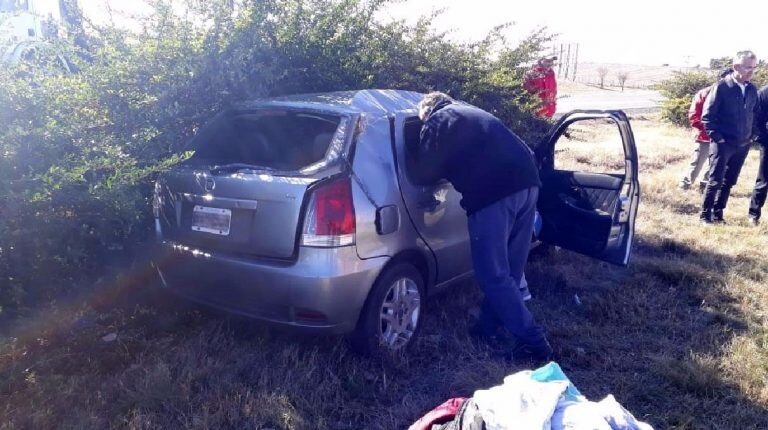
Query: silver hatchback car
{"points": [[300, 211]]}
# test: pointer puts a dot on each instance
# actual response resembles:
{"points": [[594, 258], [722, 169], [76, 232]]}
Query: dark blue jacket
{"points": [[483, 159], [761, 116], [728, 115]]}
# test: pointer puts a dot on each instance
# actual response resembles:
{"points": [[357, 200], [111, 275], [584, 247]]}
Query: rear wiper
{"points": [[234, 167]]}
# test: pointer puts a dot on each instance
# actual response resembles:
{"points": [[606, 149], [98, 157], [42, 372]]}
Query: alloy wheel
{"points": [[399, 314]]}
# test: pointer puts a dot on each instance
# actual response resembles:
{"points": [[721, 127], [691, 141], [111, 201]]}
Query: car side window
{"points": [[591, 146], [412, 134], [411, 137]]}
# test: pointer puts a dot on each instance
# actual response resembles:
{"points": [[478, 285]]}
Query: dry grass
{"points": [[591, 146], [680, 337]]}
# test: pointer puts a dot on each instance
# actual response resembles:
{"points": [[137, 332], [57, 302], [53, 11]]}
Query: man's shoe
{"points": [[497, 342], [754, 220], [525, 294], [705, 217], [533, 354], [717, 217]]}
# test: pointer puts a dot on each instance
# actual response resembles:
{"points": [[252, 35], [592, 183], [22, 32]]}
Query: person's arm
{"points": [[759, 126], [763, 101], [533, 82], [552, 87], [756, 114], [711, 113], [694, 113]]}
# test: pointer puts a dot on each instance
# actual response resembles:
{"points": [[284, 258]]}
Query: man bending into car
{"points": [[497, 177]]}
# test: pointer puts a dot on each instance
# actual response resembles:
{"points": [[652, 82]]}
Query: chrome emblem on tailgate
{"points": [[210, 184]]}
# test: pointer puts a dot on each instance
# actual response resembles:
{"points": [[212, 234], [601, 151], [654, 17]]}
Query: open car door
{"points": [[590, 191]]}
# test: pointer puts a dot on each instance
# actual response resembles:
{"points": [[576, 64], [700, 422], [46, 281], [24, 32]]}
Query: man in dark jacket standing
{"points": [[761, 132], [497, 177], [728, 118]]}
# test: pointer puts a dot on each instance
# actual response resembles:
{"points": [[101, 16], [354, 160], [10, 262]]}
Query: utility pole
{"points": [[568, 61], [575, 62]]}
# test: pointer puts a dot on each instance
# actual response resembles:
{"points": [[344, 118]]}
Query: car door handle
{"points": [[622, 207]]}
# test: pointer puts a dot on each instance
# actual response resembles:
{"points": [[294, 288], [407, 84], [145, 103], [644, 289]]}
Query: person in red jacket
{"points": [[701, 152], [540, 80]]}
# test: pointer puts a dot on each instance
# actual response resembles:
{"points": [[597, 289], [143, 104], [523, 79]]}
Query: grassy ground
{"points": [[680, 337]]}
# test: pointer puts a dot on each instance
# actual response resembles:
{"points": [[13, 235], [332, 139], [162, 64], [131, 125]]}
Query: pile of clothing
{"points": [[541, 399]]}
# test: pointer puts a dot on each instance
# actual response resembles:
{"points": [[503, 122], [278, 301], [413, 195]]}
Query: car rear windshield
{"points": [[269, 138]]}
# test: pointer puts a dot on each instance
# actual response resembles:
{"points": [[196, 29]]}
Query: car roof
{"points": [[373, 102]]}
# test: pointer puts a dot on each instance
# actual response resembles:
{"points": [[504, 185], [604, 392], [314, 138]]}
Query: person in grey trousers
{"points": [[498, 179], [701, 151]]}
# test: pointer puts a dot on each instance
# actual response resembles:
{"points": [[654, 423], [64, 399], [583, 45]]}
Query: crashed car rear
{"points": [[300, 211]]}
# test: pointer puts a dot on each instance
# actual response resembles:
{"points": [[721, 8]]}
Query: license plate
{"points": [[211, 220]]}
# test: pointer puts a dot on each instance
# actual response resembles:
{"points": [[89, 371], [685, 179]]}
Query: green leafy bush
{"points": [[79, 151], [678, 92], [760, 78]]}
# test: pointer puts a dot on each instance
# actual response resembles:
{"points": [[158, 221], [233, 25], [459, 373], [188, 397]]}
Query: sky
{"points": [[652, 32]]}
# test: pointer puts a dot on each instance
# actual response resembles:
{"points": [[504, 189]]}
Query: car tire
{"points": [[391, 318]]}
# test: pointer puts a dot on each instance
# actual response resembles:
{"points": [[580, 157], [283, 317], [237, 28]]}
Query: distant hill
{"points": [[638, 76]]}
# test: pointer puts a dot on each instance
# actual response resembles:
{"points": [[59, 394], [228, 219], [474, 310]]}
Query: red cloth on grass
{"points": [[440, 414]]}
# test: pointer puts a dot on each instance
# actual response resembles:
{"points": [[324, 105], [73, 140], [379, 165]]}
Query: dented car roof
{"points": [[374, 102]]}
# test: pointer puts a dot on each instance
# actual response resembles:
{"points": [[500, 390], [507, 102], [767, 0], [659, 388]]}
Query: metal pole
{"points": [[575, 62]]}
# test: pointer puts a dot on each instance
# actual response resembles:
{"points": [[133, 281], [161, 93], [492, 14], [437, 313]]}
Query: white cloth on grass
{"points": [[546, 399], [520, 402]]}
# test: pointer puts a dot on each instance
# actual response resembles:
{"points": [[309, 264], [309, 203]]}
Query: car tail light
{"points": [[330, 218]]}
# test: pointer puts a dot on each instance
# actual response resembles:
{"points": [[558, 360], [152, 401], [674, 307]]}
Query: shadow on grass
{"points": [[653, 333]]}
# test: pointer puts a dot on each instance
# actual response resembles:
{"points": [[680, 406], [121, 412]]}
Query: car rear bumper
{"points": [[323, 291]]}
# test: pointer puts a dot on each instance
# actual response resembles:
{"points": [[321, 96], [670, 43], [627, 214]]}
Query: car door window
{"points": [[411, 137], [591, 146]]}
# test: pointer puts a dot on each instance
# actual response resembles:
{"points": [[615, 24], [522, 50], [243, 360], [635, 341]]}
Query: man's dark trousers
{"points": [[725, 163], [761, 185], [500, 239]]}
